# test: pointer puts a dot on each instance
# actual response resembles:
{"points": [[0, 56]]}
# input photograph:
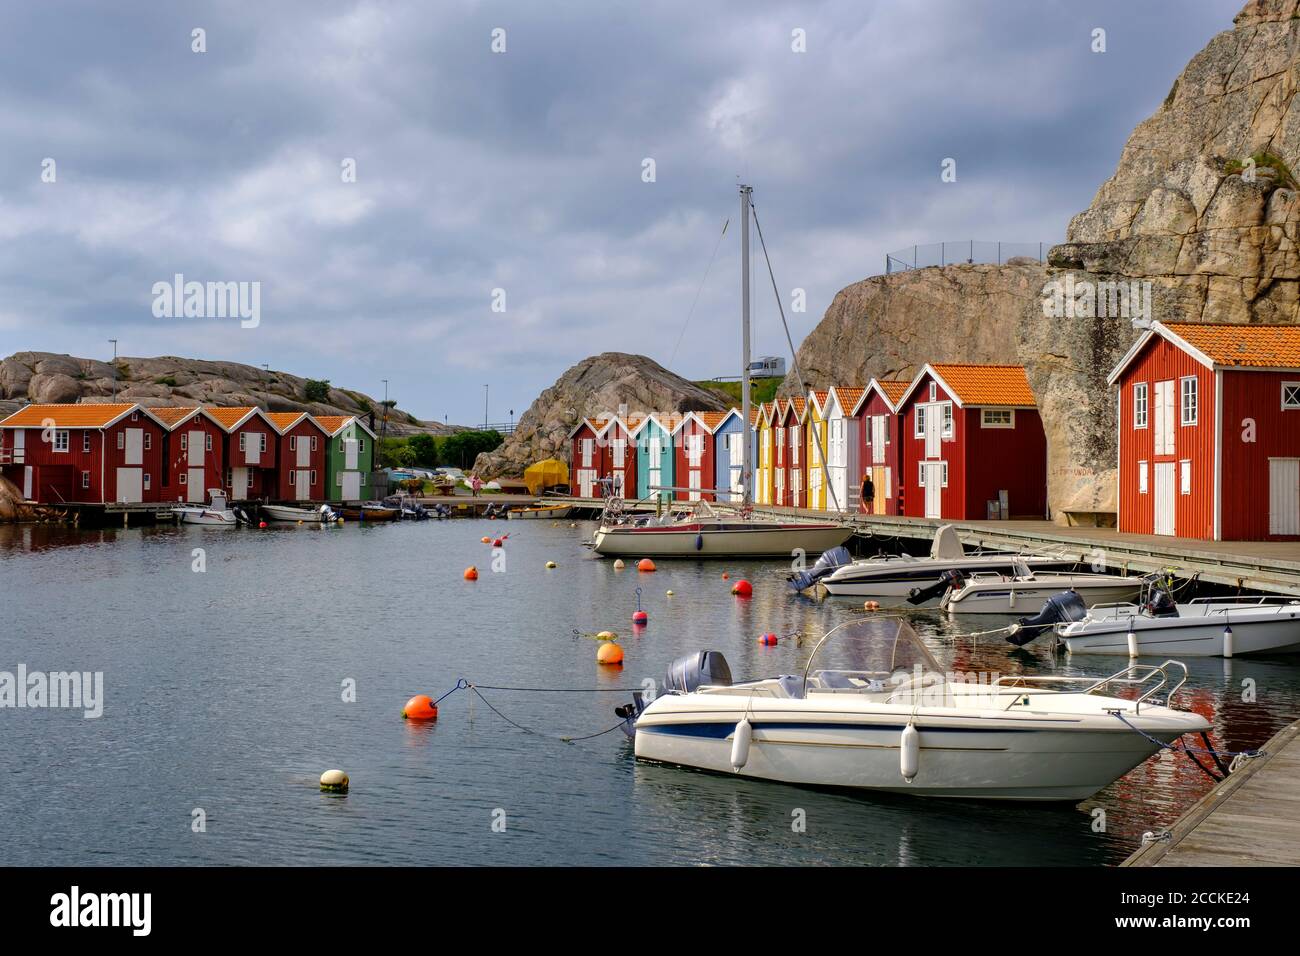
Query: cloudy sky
{"points": [[523, 170]]}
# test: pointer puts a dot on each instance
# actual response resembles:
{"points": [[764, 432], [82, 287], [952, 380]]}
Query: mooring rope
{"points": [[1238, 756], [463, 684]]}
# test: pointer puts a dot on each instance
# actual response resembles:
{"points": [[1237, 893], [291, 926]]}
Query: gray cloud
{"points": [[522, 170]]}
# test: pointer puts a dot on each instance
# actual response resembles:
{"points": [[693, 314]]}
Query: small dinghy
{"points": [[287, 513], [217, 513]]}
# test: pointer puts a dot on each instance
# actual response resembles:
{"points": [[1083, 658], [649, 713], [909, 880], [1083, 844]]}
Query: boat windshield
{"points": [[879, 645]]}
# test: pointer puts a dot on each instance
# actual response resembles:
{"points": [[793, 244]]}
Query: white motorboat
{"points": [[324, 513], [217, 512], [709, 535], [986, 592], [891, 721], [890, 579], [1158, 625]]}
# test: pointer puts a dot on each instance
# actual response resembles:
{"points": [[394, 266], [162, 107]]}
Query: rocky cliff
{"points": [[167, 380], [596, 386], [1202, 207]]}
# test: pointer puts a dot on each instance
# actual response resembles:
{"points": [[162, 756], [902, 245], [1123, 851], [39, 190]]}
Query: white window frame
{"points": [[312, 480], [1144, 477], [1189, 386], [148, 441], [85, 442], [207, 441], [918, 421], [148, 481], [947, 422], [338, 479], [943, 475], [85, 479], [361, 446], [185, 442], [934, 391], [920, 474], [1185, 476], [1294, 403], [184, 478], [61, 441], [243, 444], [1010, 421], [121, 440], [293, 442], [293, 477], [261, 441], [313, 443], [1141, 405]]}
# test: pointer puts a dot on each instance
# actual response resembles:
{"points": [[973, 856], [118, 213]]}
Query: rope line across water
{"points": [[463, 684]]}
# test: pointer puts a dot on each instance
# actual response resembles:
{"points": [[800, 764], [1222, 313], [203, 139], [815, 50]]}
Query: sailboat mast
{"points": [[747, 437]]}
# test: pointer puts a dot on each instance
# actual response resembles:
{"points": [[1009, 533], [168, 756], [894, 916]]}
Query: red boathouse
{"points": [[973, 444], [1209, 432]]}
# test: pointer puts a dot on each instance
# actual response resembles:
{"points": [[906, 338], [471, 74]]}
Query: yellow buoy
{"points": [[607, 636], [670, 593], [609, 653], [550, 564], [334, 781]]}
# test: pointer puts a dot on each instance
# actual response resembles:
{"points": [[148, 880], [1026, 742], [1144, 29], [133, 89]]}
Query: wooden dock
{"points": [[1250, 819]]}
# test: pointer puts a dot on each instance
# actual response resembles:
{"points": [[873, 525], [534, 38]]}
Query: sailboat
{"points": [[706, 532]]}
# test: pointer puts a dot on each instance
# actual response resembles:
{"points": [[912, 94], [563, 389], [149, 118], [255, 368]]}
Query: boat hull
{"points": [[751, 540], [1021, 760], [215, 519], [1253, 632], [893, 580], [369, 514], [281, 513], [534, 514], [1027, 598]]}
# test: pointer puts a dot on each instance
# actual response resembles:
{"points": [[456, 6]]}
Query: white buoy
{"points": [[334, 781], [1132, 644], [1227, 640], [740, 744], [909, 752]]}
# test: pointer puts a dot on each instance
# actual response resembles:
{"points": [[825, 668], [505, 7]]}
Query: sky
{"points": [[449, 195]]}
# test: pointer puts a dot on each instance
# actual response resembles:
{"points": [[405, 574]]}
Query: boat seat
{"points": [[839, 680], [791, 685]]}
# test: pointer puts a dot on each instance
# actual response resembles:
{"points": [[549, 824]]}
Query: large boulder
{"points": [[600, 385]]}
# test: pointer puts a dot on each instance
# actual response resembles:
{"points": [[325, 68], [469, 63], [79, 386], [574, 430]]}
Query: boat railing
{"points": [[1134, 675], [1247, 600]]}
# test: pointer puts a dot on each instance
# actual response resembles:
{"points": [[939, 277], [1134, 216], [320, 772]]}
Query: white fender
{"points": [[740, 744], [1132, 644], [909, 752], [1227, 641]]}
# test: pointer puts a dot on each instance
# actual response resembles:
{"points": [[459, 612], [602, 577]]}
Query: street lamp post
{"points": [[114, 341]]}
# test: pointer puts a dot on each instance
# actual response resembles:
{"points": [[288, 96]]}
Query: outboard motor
{"points": [[630, 712], [697, 670], [1063, 608], [949, 579], [828, 562], [242, 516], [1162, 604]]}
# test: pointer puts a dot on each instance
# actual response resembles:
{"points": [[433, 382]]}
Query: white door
{"points": [[349, 455], [195, 446], [780, 487], [1284, 496], [1164, 418], [134, 447], [20, 446], [352, 485], [252, 448], [933, 430], [27, 479], [304, 452], [194, 490], [1166, 495], [303, 491], [877, 439], [239, 482], [586, 479], [933, 486], [130, 481], [695, 486], [588, 445]]}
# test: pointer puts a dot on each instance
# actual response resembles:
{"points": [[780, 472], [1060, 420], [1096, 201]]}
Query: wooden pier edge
{"points": [[1153, 854]]}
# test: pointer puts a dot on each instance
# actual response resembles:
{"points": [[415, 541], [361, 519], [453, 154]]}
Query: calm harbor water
{"points": [[224, 691]]}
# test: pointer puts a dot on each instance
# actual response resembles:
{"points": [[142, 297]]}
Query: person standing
{"points": [[868, 493], [475, 483]]}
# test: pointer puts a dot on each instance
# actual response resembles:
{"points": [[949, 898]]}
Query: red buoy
{"points": [[742, 588], [768, 640], [420, 707], [640, 617], [261, 524]]}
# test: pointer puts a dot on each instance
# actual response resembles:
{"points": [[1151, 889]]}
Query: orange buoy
{"points": [[420, 707], [742, 588], [486, 539], [871, 606], [645, 564], [471, 573], [609, 653]]}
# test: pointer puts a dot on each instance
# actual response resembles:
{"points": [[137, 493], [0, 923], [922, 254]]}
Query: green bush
{"points": [[318, 389]]}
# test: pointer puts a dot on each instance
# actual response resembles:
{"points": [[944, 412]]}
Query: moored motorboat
{"points": [[289, 513], [890, 579], [216, 513], [890, 720], [986, 592], [1159, 625], [704, 533]]}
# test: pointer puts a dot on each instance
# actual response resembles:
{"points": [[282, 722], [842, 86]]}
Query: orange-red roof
{"points": [[712, 419], [229, 417], [1246, 346], [795, 405], [988, 384], [172, 415], [894, 389], [849, 396], [332, 423], [67, 416]]}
